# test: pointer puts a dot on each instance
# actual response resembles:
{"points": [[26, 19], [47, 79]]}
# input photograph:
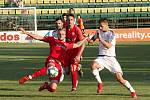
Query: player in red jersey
{"points": [[80, 23], [42, 71], [64, 17], [73, 35], [58, 48]]}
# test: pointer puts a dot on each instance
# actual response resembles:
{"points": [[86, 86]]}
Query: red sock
{"points": [[74, 75], [40, 72]]}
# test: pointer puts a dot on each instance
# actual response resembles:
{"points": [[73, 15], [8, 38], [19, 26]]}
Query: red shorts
{"points": [[58, 66], [70, 58]]}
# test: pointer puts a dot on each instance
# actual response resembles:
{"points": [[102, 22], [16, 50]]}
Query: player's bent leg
{"points": [[80, 70], [52, 87], [126, 84], [40, 72], [95, 71], [94, 65], [120, 78], [44, 86]]}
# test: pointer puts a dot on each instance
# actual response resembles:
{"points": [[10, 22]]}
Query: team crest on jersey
{"points": [[62, 46]]}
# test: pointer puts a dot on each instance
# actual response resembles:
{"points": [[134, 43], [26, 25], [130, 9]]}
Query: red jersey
{"points": [[74, 35], [57, 48]]}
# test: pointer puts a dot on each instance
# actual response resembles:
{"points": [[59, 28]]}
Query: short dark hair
{"points": [[64, 14], [78, 15], [71, 9], [72, 15], [103, 20], [58, 18]]}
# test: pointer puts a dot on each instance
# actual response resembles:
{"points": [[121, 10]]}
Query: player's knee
{"points": [[94, 65], [50, 64], [51, 89], [120, 78]]}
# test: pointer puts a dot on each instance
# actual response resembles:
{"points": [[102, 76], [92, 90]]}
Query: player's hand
{"points": [[91, 35], [22, 29], [77, 58], [85, 35]]}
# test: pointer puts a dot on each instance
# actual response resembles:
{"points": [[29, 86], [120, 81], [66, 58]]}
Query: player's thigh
{"points": [[112, 65], [50, 63], [97, 64]]}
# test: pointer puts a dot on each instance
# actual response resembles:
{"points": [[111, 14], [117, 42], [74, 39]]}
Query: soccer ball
{"points": [[52, 71]]}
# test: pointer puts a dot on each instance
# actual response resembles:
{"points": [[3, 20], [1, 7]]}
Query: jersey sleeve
{"points": [[111, 38], [48, 39]]}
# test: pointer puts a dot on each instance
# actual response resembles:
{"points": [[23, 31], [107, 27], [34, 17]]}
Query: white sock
{"points": [[128, 86], [97, 76], [30, 77]]}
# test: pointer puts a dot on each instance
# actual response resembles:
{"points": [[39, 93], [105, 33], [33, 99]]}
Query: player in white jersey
{"points": [[106, 57], [59, 25]]}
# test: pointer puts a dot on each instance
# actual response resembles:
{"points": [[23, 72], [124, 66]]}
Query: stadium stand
{"points": [[1, 2], [91, 10], [85, 1], [33, 2]]}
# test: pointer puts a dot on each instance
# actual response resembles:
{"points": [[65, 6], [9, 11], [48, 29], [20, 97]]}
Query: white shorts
{"points": [[109, 63]]}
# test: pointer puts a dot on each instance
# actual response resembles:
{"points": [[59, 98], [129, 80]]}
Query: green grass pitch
{"points": [[17, 60]]}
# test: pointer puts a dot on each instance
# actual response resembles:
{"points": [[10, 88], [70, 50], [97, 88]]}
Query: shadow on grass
{"points": [[5, 89], [75, 95]]}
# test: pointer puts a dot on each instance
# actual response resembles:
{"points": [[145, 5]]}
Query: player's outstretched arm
{"points": [[34, 36], [93, 37], [80, 43]]}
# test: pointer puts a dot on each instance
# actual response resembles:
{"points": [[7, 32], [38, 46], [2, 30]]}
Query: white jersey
{"points": [[55, 34], [109, 37]]}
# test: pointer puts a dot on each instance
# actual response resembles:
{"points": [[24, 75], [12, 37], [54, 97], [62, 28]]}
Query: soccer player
{"points": [[64, 17], [58, 48], [80, 23], [73, 35], [18, 3], [59, 25], [41, 72], [72, 11], [106, 57]]}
